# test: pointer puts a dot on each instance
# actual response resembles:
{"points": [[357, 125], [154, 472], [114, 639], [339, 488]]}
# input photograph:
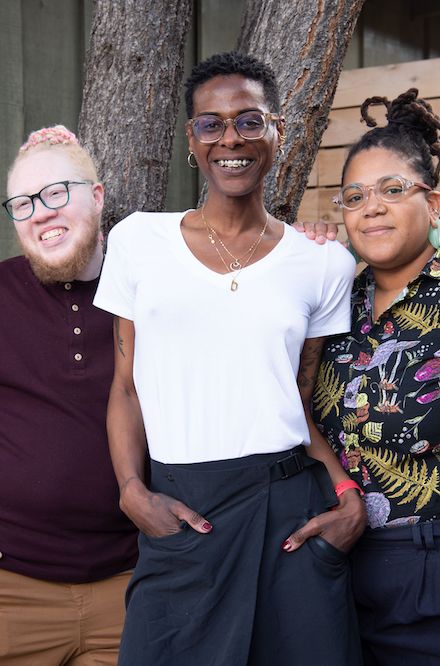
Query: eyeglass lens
{"points": [[52, 196], [249, 125], [387, 189]]}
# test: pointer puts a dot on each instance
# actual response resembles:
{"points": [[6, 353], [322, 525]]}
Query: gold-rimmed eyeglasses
{"points": [[250, 125]]}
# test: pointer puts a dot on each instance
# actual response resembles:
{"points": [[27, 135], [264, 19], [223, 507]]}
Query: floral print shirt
{"points": [[377, 399]]}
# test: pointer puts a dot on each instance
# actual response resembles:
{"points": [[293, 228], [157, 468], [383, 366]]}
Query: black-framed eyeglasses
{"points": [[250, 125], [390, 189], [53, 196]]}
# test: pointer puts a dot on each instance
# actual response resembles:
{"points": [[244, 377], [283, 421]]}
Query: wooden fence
{"points": [[345, 128]]}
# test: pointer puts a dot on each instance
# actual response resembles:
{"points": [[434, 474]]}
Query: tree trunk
{"points": [[305, 42], [131, 93]]}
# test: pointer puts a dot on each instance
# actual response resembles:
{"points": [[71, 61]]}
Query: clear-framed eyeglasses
{"points": [[390, 189], [250, 125], [53, 196]]}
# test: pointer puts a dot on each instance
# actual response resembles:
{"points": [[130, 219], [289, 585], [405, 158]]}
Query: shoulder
{"points": [[140, 220], [13, 263], [18, 285], [139, 227], [15, 267], [332, 255]]}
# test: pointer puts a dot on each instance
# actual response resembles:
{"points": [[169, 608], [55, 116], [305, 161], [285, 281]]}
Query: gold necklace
{"points": [[236, 264]]}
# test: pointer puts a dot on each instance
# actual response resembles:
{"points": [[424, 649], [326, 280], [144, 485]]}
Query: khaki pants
{"points": [[57, 624]]}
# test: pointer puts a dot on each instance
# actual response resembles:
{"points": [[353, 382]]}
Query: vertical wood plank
{"points": [[52, 66], [391, 33], [11, 108]]}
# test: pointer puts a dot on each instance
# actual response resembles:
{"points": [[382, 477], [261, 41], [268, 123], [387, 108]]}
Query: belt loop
{"points": [[428, 535], [290, 465], [417, 536]]}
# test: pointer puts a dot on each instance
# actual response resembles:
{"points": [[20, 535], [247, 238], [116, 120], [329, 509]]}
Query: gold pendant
{"points": [[234, 285], [235, 265]]}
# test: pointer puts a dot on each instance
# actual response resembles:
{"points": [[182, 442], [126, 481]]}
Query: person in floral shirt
{"points": [[377, 398]]}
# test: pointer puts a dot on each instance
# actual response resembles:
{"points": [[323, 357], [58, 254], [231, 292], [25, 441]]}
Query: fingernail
{"points": [[207, 526], [286, 545]]}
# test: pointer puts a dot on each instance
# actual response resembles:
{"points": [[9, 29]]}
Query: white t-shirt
{"points": [[215, 370]]}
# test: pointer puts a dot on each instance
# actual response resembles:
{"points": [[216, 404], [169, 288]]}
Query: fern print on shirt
{"points": [[377, 399]]}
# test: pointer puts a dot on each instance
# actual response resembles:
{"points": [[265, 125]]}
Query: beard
{"points": [[69, 267]]}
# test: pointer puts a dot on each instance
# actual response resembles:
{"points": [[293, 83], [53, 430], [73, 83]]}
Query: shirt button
{"points": [[77, 330], [68, 286], [78, 357], [75, 307]]}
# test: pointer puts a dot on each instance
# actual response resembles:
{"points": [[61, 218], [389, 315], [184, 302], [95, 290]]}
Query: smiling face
{"points": [[61, 244], [233, 166], [389, 235]]}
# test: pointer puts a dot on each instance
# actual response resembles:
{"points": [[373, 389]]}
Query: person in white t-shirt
{"points": [[220, 316]]}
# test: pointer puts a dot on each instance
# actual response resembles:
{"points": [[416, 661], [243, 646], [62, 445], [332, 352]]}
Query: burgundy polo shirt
{"points": [[59, 513]]}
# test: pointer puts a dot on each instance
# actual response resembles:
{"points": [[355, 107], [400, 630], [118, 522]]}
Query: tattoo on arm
{"points": [[119, 340], [309, 364]]}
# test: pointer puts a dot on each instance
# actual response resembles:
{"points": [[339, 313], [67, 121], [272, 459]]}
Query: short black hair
{"points": [[411, 133], [233, 62]]}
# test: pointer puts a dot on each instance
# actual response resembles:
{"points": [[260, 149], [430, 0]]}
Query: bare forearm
{"points": [[126, 434], [321, 450], [154, 514], [128, 448], [344, 525]]}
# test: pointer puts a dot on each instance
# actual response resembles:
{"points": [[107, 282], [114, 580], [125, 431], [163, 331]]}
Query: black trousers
{"points": [[396, 579], [233, 597]]}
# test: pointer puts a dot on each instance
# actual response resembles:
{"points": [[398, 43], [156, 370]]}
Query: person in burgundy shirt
{"points": [[66, 549]]}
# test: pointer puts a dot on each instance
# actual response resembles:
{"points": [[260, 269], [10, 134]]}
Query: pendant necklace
{"points": [[237, 263]]}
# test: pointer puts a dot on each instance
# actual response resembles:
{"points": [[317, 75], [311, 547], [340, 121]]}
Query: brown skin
{"points": [[153, 513], [345, 524], [320, 232], [391, 237], [235, 197], [235, 209]]}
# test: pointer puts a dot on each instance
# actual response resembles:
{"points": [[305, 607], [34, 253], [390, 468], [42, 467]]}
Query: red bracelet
{"points": [[346, 485]]}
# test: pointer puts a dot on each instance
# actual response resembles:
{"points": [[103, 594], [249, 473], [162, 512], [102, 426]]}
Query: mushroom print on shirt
{"points": [[377, 399]]}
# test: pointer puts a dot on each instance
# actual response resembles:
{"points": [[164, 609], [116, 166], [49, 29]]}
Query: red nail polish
{"points": [[207, 526], [286, 545]]}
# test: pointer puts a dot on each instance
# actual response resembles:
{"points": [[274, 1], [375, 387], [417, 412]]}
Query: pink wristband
{"points": [[346, 485]]}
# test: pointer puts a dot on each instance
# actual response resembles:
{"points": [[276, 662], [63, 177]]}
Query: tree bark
{"points": [[133, 78], [305, 43]]}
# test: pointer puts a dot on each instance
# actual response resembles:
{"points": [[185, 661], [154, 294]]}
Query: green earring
{"points": [[434, 235]]}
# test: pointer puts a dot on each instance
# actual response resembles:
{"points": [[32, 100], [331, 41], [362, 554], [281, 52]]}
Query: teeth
{"points": [[51, 234], [233, 164]]}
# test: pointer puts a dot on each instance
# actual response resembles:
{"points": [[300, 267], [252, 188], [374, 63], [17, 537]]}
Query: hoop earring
{"points": [[191, 164], [434, 235]]}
